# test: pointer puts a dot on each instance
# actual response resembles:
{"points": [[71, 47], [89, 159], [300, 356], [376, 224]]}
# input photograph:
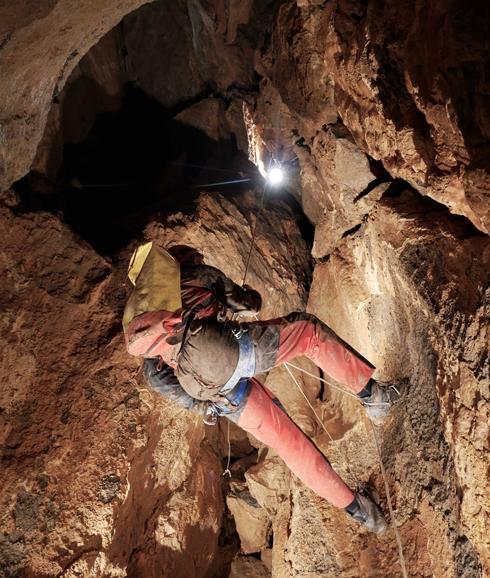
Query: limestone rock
{"points": [[251, 520], [208, 116], [338, 186], [163, 28], [194, 44], [279, 275], [94, 86], [40, 46], [408, 292], [268, 482], [407, 81], [248, 567], [97, 445]]}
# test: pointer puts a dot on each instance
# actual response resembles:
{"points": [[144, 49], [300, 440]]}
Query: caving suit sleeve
{"points": [[238, 299], [161, 378]]}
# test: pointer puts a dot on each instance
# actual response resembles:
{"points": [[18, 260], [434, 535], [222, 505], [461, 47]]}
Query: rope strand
{"points": [[325, 381], [227, 471], [378, 450], [390, 506], [320, 421], [254, 231]]}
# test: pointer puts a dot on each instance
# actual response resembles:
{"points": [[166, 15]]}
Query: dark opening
{"points": [[133, 164]]}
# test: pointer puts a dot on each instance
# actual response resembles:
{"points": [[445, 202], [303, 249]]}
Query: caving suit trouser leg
{"points": [[208, 353], [269, 424], [254, 410], [275, 343], [283, 339]]}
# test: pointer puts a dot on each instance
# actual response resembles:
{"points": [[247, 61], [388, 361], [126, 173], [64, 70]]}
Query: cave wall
{"points": [[40, 44], [352, 84], [379, 114], [419, 313], [81, 436], [408, 80], [102, 476]]}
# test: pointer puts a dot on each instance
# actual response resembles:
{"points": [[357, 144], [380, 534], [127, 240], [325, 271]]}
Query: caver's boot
{"points": [[367, 513], [378, 399]]}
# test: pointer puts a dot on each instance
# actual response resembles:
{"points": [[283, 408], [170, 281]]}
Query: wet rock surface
{"points": [[379, 116]]}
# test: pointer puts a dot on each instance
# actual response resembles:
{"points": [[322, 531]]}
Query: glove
{"points": [[253, 299], [244, 300]]}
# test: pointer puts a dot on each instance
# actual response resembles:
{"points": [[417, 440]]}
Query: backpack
{"points": [[154, 308]]}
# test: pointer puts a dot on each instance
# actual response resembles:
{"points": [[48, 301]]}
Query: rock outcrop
{"points": [[410, 290], [40, 44], [408, 81], [379, 116], [102, 476]]}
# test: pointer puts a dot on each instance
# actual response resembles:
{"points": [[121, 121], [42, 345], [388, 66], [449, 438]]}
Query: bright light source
{"points": [[275, 176]]}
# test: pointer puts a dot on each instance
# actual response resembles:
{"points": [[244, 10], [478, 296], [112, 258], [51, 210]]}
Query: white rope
{"points": [[307, 400], [329, 383], [320, 421], [390, 506], [383, 471], [227, 471]]}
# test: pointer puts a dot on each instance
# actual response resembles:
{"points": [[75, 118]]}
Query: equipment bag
{"points": [[155, 305]]}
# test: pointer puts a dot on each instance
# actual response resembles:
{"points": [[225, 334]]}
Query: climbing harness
{"points": [[246, 362], [230, 402]]}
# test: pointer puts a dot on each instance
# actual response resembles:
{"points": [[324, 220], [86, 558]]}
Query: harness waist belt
{"points": [[246, 363], [234, 399]]}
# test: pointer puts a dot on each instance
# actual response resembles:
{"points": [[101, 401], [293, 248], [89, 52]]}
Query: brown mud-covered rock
{"points": [[81, 435], [410, 290], [371, 109], [40, 44], [279, 255], [408, 80], [248, 567], [101, 476]]}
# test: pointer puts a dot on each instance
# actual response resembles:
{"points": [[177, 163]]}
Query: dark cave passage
{"points": [[135, 163], [141, 162]]}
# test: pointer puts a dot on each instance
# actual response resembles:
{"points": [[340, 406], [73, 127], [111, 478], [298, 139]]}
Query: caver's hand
{"points": [[244, 300]]}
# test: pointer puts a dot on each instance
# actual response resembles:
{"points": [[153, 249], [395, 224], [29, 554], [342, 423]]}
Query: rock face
{"points": [[102, 477], [380, 117], [422, 319], [40, 44], [197, 49], [281, 276], [407, 80], [94, 86], [81, 458]]}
